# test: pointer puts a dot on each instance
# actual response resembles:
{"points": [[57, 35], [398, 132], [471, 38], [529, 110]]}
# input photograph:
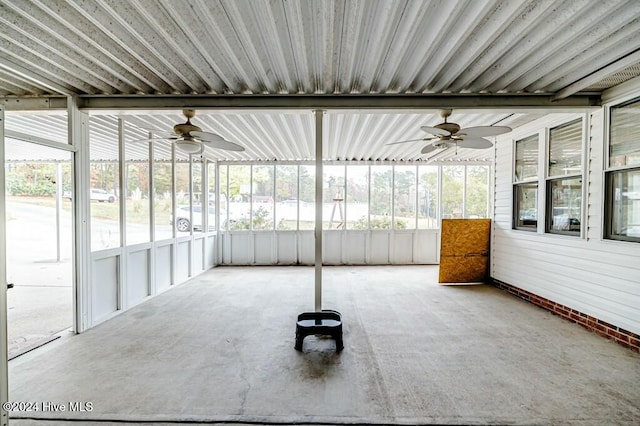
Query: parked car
{"points": [[97, 194], [101, 196], [183, 222]]}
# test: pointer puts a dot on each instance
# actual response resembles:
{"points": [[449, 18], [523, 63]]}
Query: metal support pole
{"points": [[4, 344], [58, 207], [318, 228]]}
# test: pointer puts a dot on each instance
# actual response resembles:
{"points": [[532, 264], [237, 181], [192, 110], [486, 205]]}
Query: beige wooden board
{"points": [[464, 250]]}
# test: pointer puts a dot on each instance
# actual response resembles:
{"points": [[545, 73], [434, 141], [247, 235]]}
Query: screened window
{"points": [[428, 197], [526, 166], [307, 192], [564, 186], [357, 197], [405, 197], [525, 202], [565, 149], [286, 213], [262, 201], [624, 142], [239, 197], [453, 192], [104, 176], [624, 205], [333, 197], [183, 214], [477, 192], [525, 192], [162, 200], [622, 209], [381, 197]]}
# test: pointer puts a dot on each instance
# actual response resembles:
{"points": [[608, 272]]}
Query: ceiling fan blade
{"points": [[223, 144], [206, 136], [173, 138], [482, 131], [475, 143], [216, 141], [408, 140], [435, 131], [428, 148]]}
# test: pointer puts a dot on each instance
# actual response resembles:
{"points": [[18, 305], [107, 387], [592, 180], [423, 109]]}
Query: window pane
{"points": [[405, 197], [183, 210], [198, 199], [527, 158], [162, 203], [104, 185], [428, 197], [262, 201], [452, 184], [307, 197], [224, 199], [287, 197], [625, 205], [357, 197], [525, 205], [477, 192], [333, 197], [211, 177], [566, 203], [624, 147], [565, 149], [381, 193], [239, 193]]}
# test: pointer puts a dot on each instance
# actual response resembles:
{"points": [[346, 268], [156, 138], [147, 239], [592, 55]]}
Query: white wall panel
{"points": [[598, 277], [182, 260], [240, 248], [401, 247], [287, 244], [426, 244], [104, 288], [332, 247], [264, 248], [137, 279], [163, 264], [306, 246], [355, 248], [210, 251], [198, 256], [379, 248]]}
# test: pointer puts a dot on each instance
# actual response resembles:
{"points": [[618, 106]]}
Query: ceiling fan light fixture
{"points": [[189, 146]]}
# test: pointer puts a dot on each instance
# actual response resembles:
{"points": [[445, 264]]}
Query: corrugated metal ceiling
{"points": [[307, 46], [258, 47], [266, 135]]}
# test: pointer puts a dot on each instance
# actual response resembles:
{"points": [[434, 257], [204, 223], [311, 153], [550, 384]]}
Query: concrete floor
{"points": [[219, 348]]}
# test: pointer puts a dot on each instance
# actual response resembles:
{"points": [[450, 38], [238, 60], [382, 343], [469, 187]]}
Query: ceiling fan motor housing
{"points": [[449, 127], [185, 129]]}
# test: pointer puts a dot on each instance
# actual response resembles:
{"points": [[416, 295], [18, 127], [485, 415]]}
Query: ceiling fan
{"points": [[192, 140], [447, 135]]}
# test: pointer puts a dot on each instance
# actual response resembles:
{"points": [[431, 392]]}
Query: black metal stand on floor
{"points": [[325, 322]]}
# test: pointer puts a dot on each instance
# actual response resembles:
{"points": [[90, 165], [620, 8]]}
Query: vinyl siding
{"points": [[598, 277]]}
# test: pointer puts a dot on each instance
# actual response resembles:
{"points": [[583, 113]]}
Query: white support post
{"points": [[58, 208], [122, 184], [4, 344], [318, 229], [78, 125]]}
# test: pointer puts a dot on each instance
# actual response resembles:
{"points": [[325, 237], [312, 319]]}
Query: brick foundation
{"points": [[623, 337]]}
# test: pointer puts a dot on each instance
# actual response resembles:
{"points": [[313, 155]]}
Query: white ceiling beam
{"points": [[599, 75], [510, 102]]}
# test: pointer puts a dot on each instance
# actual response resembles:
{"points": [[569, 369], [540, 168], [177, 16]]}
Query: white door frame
{"points": [[4, 344]]}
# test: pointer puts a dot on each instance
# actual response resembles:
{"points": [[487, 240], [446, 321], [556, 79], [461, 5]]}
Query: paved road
{"points": [[40, 305]]}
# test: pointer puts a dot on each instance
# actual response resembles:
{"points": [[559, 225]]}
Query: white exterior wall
{"points": [[124, 277], [377, 247], [598, 277]]}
